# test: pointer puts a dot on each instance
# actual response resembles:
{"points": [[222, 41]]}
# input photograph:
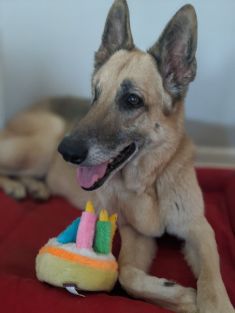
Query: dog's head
{"points": [[137, 96]]}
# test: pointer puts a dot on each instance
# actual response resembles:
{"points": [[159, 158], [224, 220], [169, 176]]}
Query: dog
{"points": [[128, 151]]}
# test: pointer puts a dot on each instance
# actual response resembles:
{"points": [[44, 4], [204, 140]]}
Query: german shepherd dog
{"points": [[129, 153]]}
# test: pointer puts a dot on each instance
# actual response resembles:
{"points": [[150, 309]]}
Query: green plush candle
{"points": [[103, 234]]}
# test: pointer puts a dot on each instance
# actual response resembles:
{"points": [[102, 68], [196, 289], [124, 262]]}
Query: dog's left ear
{"points": [[175, 51], [117, 33]]}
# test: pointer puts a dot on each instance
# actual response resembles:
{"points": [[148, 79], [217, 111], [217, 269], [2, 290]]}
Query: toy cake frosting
{"points": [[80, 258]]}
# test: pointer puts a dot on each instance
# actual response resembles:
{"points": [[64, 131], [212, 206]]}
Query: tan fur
{"points": [[157, 191]]}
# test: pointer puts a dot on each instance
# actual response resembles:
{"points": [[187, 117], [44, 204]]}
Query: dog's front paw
{"points": [[210, 307], [214, 302], [187, 301]]}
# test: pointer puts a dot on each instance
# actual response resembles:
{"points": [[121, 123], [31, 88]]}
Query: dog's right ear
{"points": [[117, 33]]}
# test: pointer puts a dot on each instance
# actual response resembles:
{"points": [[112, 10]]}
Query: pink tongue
{"points": [[88, 175]]}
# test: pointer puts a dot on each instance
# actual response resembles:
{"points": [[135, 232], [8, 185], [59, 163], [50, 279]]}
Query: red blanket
{"points": [[25, 226]]}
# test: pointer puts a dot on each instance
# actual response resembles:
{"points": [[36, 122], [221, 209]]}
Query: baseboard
{"points": [[219, 157]]}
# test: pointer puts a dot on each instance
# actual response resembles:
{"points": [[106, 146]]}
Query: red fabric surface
{"points": [[25, 226]]}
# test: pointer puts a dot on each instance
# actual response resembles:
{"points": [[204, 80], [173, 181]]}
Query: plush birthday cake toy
{"points": [[80, 258]]}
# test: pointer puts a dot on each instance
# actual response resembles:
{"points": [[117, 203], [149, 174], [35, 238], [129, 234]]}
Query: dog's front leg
{"points": [[136, 256], [201, 253]]}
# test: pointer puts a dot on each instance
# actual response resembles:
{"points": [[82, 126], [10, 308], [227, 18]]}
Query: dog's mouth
{"points": [[93, 177]]}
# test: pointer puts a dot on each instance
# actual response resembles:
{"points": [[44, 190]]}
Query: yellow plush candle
{"points": [[103, 217], [113, 220]]}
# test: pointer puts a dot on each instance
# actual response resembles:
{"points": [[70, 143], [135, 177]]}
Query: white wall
{"points": [[48, 48]]}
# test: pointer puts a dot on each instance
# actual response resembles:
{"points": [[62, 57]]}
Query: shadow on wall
{"points": [[211, 134]]}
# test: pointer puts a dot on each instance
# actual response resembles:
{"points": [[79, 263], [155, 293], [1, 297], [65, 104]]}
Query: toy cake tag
{"points": [[72, 288]]}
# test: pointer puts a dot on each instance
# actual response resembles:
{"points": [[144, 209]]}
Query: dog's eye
{"points": [[134, 101]]}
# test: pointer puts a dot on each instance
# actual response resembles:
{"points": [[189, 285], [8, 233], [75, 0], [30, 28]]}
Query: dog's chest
{"points": [[141, 211]]}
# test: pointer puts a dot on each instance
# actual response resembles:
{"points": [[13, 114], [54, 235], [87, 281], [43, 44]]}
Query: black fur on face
{"points": [[129, 97]]}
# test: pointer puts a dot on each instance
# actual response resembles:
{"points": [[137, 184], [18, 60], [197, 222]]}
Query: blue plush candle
{"points": [[70, 233]]}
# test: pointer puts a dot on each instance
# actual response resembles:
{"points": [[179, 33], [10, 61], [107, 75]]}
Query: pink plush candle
{"points": [[86, 230]]}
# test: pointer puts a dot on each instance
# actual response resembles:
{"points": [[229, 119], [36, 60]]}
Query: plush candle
{"points": [[113, 220], [70, 233], [103, 234], [86, 230]]}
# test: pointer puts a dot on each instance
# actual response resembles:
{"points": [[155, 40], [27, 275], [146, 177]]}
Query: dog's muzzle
{"points": [[93, 176]]}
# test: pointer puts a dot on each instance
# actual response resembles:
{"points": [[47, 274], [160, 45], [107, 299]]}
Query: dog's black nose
{"points": [[73, 151]]}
